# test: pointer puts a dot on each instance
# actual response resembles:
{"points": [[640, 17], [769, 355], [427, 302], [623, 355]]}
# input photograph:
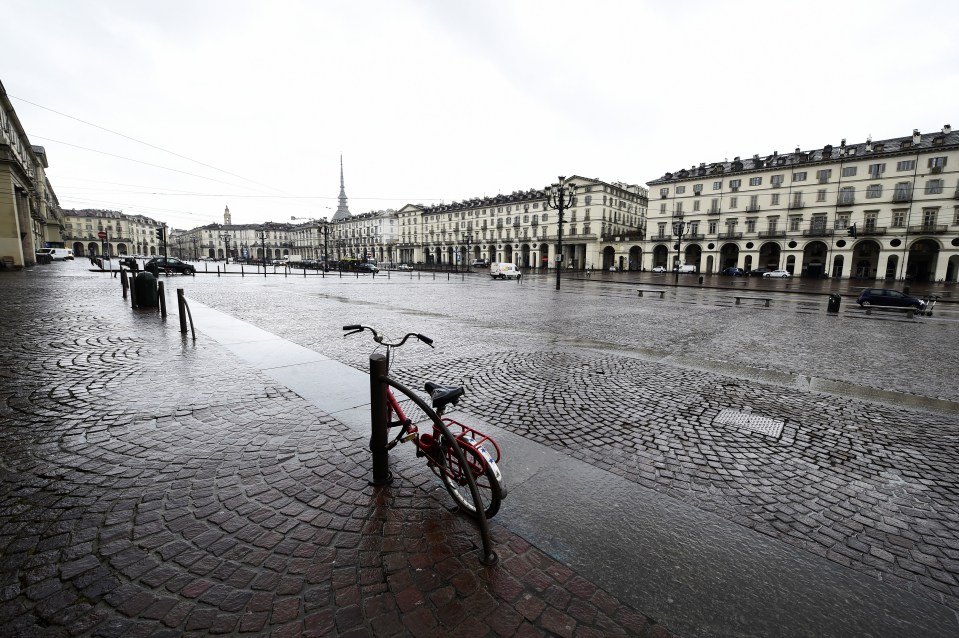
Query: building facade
{"points": [[92, 233], [30, 216], [884, 209]]}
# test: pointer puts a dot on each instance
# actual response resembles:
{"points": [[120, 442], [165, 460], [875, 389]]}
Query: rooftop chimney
{"points": [[947, 129], [869, 143], [916, 136]]}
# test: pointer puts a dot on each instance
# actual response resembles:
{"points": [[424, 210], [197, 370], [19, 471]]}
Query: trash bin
{"points": [[834, 301], [700, 279], [145, 287]]}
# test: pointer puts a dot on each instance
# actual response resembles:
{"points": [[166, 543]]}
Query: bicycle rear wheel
{"points": [[454, 478]]}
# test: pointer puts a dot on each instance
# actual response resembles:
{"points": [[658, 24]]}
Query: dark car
{"points": [[168, 265], [130, 263], [887, 297], [758, 272], [733, 271]]}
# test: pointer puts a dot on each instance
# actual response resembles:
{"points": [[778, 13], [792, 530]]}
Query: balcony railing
{"points": [[928, 229], [795, 205], [694, 237], [752, 208], [661, 237], [713, 210], [847, 200], [873, 230], [730, 235], [768, 234], [818, 231], [905, 197]]}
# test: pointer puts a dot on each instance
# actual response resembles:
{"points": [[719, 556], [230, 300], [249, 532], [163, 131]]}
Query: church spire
{"points": [[342, 210]]}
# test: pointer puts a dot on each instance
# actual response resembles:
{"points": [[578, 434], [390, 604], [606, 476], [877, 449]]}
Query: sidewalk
{"points": [[153, 485]]}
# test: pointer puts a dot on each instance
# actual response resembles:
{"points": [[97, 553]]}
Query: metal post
{"points": [[162, 298], [181, 309], [123, 282], [379, 368]]}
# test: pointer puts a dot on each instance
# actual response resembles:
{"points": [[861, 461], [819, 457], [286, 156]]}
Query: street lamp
{"points": [[559, 196], [226, 242], [468, 238], [261, 235], [679, 228], [195, 255]]}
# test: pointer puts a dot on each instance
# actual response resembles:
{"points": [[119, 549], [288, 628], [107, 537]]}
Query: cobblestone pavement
{"points": [[151, 486], [620, 382]]}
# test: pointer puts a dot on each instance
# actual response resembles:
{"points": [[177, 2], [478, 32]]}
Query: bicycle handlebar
{"points": [[354, 328]]}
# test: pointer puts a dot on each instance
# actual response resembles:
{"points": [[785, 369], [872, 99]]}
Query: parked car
{"points": [[887, 297], [480, 263], [733, 271], [168, 265], [404, 267], [777, 274], [659, 268], [57, 253], [368, 268], [758, 272], [686, 268], [129, 262]]}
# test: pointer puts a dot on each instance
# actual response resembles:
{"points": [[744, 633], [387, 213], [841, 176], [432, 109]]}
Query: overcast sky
{"points": [[250, 103]]}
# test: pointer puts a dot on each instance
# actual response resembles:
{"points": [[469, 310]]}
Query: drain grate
{"points": [[751, 422]]}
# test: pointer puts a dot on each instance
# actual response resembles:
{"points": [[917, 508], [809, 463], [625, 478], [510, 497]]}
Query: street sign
{"points": [[102, 234]]}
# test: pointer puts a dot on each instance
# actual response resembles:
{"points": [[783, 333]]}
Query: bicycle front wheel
{"points": [[454, 477]]}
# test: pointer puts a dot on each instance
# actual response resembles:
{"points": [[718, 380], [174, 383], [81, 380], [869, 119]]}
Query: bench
{"points": [[662, 293], [741, 297], [910, 311]]}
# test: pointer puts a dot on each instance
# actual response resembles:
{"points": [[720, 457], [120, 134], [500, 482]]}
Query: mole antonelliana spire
{"points": [[342, 210]]}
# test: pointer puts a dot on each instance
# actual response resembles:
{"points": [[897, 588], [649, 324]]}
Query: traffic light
{"points": [[852, 231], [160, 233]]}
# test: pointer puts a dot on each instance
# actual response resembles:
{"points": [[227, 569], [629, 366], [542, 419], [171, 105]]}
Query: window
{"points": [[662, 209], [929, 216], [680, 190], [847, 195], [754, 202], [750, 225], [735, 183], [849, 171], [903, 192], [589, 200], [772, 223], [733, 202], [871, 217], [545, 215], [696, 206], [799, 177], [663, 193], [842, 221], [717, 186], [937, 164], [795, 223], [906, 165], [797, 200], [873, 191], [714, 205], [898, 218], [955, 218], [774, 199], [823, 175], [934, 187], [679, 208], [821, 195], [876, 170], [776, 181], [697, 189], [755, 181], [712, 225]]}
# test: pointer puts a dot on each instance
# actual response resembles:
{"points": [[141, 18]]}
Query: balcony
{"points": [[534, 223], [872, 231], [847, 200], [713, 210], [694, 237], [730, 235], [661, 237], [818, 231], [796, 205], [771, 234], [900, 198], [752, 208], [929, 229], [516, 224]]}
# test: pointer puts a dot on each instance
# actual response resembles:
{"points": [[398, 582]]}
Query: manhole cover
{"points": [[751, 422]]}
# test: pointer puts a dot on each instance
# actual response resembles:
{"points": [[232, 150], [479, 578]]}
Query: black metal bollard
{"points": [[124, 283], [379, 368], [834, 302], [162, 298], [181, 309]]}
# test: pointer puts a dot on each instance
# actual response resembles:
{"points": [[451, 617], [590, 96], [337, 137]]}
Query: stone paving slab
{"points": [[152, 485]]}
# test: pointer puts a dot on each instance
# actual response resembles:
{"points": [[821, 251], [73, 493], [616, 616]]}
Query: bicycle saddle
{"points": [[442, 395]]}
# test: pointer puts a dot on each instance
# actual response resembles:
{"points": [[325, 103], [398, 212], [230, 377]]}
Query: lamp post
{"points": [[468, 238], [559, 196], [261, 235], [679, 228], [195, 255], [226, 242]]}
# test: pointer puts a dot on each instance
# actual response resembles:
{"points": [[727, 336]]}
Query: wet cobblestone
{"points": [[152, 486]]}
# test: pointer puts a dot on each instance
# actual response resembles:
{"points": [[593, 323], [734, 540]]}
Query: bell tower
{"points": [[227, 218]]}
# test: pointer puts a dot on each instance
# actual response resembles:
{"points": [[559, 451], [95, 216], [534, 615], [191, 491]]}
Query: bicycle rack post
{"points": [[180, 309], [162, 297], [379, 368]]}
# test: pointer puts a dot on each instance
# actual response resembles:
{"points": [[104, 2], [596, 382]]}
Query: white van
{"points": [[687, 268], [56, 253], [504, 270]]}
